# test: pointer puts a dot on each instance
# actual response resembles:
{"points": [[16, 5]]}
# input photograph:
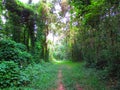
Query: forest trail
{"points": [[78, 87], [70, 75], [62, 76], [60, 83], [62, 69]]}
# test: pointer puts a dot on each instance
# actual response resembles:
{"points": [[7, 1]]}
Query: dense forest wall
{"points": [[97, 40]]}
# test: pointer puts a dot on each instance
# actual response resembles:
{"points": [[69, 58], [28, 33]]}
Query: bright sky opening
{"points": [[33, 1]]}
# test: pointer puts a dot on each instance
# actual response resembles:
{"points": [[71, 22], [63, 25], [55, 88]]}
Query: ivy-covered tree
{"points": [[26, 25]]}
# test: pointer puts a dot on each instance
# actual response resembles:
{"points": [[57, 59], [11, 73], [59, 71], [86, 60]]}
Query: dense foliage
{"points": [[13, 57], [81, 30], [25, 24], [9, 74], [11, 51], [97, 40]]}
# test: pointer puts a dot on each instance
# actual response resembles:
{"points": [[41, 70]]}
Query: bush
{"points": [[12, 56], [9, 54], [21, 46], [25, 58], [9, 74], [24, 78], [12, 51]]}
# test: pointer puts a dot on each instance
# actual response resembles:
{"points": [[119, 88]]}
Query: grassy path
{"points": [[61, 76], [76, 77], [60, 83]]}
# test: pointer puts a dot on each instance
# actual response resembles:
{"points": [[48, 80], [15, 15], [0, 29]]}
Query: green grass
{"points": [[76, 73], [44, 76]]}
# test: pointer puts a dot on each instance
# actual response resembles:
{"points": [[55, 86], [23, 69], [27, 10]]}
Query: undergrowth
{"points": [[39, 77], [76, 73], [44, 76]]}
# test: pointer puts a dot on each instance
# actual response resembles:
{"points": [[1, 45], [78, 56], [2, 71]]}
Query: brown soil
{"points": [[78, 87], [60, 84]]}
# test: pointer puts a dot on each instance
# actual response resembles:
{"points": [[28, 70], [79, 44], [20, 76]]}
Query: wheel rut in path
{"points": [[60, 84], [78, 87]]}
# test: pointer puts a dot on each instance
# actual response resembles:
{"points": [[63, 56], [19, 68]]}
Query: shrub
{"points": [[21, 46], [9, 74], [12, 51], [24, 78], [25, 58], [9, 54]]}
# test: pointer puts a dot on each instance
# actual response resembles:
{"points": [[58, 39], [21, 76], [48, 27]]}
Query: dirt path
{"points": [[78, 87], [60, 84]]}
